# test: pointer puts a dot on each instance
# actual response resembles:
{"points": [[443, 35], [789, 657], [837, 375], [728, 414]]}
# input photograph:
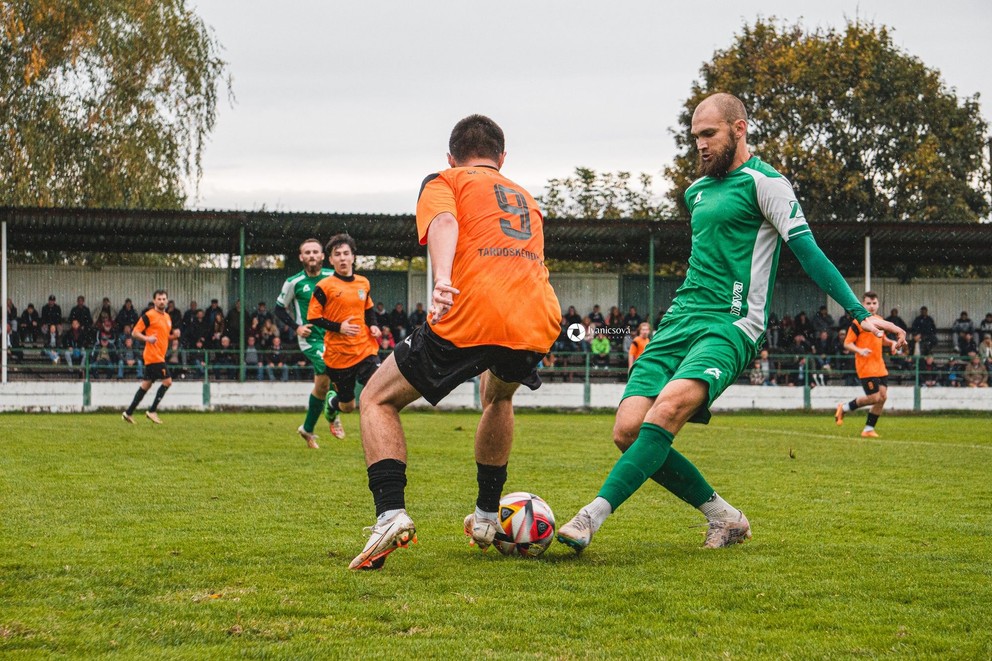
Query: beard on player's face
{"points": [[720, 159]]}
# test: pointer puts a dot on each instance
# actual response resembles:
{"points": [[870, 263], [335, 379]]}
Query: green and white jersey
{"points": [[738, 223], [295, 297]]}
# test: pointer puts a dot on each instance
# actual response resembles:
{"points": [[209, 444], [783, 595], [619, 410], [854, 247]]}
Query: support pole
{"points": [[3, 297], [241, 298], [867, 262], [649, 316]]}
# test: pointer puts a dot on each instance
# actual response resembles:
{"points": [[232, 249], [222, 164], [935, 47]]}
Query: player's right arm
{"points": [[286, 298], [437, 226], [138, 331]]}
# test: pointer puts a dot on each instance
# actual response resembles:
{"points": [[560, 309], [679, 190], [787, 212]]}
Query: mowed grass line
{"points": [[219, 534]]}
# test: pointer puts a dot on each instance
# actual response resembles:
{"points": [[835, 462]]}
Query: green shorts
{"points": [[707, 348], [315, 354]]}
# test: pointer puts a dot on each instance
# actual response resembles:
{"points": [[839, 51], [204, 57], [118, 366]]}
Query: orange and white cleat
{"points": [[839, 414], [309, 437], [153, 416], [869, 433], [384, 538], [481, 533]]}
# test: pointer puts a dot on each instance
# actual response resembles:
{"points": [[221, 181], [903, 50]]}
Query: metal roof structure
{"points": [[614, 242]]}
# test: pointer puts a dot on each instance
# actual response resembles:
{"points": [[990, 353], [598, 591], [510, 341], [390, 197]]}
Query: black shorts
{"points": [[155, 372], [872, 383], [435, 366], [344, 380]]}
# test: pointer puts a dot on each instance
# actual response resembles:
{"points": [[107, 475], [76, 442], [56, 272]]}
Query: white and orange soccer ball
{"points": [[527, 525]]}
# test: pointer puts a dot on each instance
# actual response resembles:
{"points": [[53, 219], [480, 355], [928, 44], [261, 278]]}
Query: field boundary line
{"points": [[882, 441]]}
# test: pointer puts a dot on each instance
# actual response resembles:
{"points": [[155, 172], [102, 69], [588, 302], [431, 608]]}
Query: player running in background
{"points": [[154, 328], [493, 312], [868, 363], [342, 306], [741, 210], [291, 308]]}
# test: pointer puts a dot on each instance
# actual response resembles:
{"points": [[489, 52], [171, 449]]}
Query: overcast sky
{"points": [[346, 106]]}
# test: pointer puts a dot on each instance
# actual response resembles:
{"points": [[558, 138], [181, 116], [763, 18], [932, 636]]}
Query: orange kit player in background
{"points": [[342, 307], [154, 328], [868, 362], [638, 344], [493, 312]]}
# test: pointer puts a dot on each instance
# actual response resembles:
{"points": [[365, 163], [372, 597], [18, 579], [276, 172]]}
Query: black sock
{"points": [[387, 480], [872, 420], [158, 398], [335, 403], [138, 396], [853, 405], [491, 480]]}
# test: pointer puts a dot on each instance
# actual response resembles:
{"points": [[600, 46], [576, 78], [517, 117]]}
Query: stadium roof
{"points": [[615, 242]]}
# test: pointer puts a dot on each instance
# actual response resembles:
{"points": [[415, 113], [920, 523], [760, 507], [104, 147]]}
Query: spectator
{"points": [[966, 345], [788, 331], [803, 325], [596, 317], [105, 309], [769, 368], [399, 322], [232, 323], [985, 350], [418, 317], [800, 345], [202, 328], [637, 345], [961, 326], [128, 316], [844, 322], [225, 361], [976, 375], [925, 326], [75, 341], [845, 359], [189, 318], [53, 342], [276, 361], [571, 317], [894, 318], [986, 326], [773, 334], [614, 322], [757, 375], [174, 315], [930, 373], [600, 348], [386, 341], [51, 313], [174, 358], [824, 348], [30, 324], [822, 321], [262, 314], [590, 332], [14, 352], [632, 321], [267, 334], [214, 308], [103, 358], [105, 329], [131, 363], [12, 316], [252, 360], [917, 347], [195, 359], [81, 313], [217, 330], [381, 316], [255, 331]]}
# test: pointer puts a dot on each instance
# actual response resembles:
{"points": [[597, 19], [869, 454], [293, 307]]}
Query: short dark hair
{"points": [[340, 239], [870, 294], [476, 136], [159, 291]]}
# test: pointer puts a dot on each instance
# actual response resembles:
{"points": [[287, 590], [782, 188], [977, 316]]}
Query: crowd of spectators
{"points": [[798, 348]]}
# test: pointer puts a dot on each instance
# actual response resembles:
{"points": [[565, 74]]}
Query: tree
{"points": [[104, 104], [606, 195], [863, 130]]}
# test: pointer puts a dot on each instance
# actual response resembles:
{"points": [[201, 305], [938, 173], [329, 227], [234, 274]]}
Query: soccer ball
{"points": [[527, 525]]}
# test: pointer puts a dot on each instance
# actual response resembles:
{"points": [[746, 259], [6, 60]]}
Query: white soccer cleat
{"points": [[577, 533], [482, 532], [384, 538], [309, 437], [337, 429], [153, 416], [727, 533], [127, 418]]}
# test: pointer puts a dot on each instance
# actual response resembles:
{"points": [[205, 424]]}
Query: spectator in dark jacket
{"points": [[128, 316], [30, 326], [51, 313], [81, 313], [399, 322], [927, 328]]}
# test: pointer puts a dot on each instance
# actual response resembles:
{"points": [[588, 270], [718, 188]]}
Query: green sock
{"points": [[682, 478], [314, 409], [641, 460]]}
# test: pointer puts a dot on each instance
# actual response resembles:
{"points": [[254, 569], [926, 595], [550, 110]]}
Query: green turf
{"points": [[220, 535]]}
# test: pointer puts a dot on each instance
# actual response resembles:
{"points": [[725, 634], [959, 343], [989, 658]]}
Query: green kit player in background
{"points": [[742, 210], [291, 309]]}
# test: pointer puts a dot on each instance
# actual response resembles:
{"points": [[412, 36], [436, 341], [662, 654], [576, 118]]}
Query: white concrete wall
{"points": [[60, 396]]}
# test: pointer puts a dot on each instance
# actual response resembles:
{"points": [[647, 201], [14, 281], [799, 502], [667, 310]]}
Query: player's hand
{"points": [[376, 333], [864, 352], [442, 299], [303, 330], [348, 328], [152, 339], [880, 327]]}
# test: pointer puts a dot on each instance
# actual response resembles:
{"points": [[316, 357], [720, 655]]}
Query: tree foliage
{"points": [[604, 195], [862, 129], [104, 103]]}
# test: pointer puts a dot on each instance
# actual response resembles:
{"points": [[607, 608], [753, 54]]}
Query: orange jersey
{"points": [[336, 299], [872, 364], [637, 346], [158, 325], [506, 298]]}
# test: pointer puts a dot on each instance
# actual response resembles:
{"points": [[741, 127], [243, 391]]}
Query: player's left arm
{"points": [[441, 241]]}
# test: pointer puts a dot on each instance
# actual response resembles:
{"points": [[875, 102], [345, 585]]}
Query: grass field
{"points": [[220, 535]]}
